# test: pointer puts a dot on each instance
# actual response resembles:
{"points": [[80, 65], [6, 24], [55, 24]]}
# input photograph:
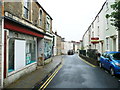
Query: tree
{"points": [[115, 19], [115, 15]]}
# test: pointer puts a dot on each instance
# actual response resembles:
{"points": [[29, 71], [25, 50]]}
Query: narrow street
{"points": [[75, 73]]}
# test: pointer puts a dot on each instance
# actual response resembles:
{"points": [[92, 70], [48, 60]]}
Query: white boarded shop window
{"points": [[19, 54]]}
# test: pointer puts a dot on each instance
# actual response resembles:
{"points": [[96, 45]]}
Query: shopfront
{"points": [[20, 50], [47, 49]]}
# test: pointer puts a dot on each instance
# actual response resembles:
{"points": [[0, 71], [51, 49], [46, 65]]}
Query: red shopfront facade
{"points": [[26, 45], [20, 28]]}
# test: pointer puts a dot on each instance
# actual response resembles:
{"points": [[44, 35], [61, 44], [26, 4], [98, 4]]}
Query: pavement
{"points": [[31, 79]]}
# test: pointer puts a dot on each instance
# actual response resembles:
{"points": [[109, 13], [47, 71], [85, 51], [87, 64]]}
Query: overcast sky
{"points": [[71, 18]]}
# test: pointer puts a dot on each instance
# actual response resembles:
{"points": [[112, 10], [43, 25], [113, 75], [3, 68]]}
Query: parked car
{"points": [[70, 52], [111, 62]]}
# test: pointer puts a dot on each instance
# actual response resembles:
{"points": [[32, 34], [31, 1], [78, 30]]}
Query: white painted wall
{"points": [[110, 30], [103, 29], [86, 40], [55, 43], [67, 46], [40, 49]]}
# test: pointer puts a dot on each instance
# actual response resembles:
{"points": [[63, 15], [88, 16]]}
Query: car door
{"points": [[107, 62], [102, 59]]}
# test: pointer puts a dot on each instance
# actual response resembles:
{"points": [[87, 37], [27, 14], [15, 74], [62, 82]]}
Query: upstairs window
{"points": [[107, 43], [107, 7], [40, 17], [92, 33], [107, 24], [47, 26], [92, 25], [48, 23], [98, 31], [26, 9], [98, 19]]}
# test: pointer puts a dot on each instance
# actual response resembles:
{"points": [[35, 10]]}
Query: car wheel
{"points": [[112, 72], [100, 64]]}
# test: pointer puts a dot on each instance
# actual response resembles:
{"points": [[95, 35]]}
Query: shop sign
{"points": [[95, 40]]}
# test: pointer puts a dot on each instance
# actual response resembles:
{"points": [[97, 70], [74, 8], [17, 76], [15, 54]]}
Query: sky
{"points": [[71, 18]]}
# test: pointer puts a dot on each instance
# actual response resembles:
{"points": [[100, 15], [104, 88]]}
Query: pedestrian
{"points": [[98, 56]]}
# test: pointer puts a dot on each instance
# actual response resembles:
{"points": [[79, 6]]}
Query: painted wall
{"points": [[58, 45], [101, 27], [40, 46], [86, 40], [67, 46], [1, 45], [0, 49], [55, 43], [111, 32]]}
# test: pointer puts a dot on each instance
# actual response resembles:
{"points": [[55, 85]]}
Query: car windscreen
{"points": [[115, 56]]}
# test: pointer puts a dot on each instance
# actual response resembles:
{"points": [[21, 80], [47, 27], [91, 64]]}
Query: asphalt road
{"points": [[75, 73]]}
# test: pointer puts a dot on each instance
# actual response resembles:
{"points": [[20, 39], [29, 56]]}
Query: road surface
{"points": [[75, 73]]}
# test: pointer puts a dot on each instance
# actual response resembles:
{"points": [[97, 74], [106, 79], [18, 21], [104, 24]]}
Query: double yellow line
{"points": [[87, 62], [50, 78]]}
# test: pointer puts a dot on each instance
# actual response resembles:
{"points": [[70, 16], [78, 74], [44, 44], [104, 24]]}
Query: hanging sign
{"points": [[95, 40]]}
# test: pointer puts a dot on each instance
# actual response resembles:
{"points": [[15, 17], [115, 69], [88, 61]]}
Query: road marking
{"points": [[50, 78], [86, 62]]}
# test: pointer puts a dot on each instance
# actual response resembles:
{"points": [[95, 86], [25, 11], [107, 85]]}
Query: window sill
{"points": [[39, 26], [31, 62], [12, 72], [27, 20]]}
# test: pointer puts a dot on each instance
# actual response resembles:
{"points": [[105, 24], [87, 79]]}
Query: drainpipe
{"points": [[2, 44]]}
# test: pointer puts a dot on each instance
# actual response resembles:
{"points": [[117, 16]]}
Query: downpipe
{"points": [[2, 44]]}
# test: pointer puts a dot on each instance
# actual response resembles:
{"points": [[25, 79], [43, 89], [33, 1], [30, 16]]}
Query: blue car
{"points": [[111, 62]]}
